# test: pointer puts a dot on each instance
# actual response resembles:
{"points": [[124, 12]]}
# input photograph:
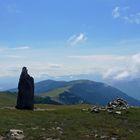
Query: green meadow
{"points": [[69, 122]]}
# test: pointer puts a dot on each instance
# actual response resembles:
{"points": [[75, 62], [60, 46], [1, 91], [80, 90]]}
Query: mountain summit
{"points": [[81, 91]]}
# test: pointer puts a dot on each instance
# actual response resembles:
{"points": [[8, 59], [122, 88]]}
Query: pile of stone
{"points": [[118, 103], [115, 106]]}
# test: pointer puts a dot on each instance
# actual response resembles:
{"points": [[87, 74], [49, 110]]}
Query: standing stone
{"points": [[25, 99]]}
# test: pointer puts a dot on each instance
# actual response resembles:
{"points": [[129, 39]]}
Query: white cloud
{"points": [[123, 75], [136, 58], [135, 63], [110, 72], [55, 66], [77, 39], [14, 56], [116, 12], [123, 14], [98, 57], [13, 49], [130, 69], [22, 48]]}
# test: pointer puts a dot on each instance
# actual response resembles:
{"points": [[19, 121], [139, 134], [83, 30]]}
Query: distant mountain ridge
{"points": [[80, 91], [89, 91]]}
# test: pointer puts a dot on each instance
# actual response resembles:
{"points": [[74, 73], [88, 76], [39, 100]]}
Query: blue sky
{"points": [[63, 37]]}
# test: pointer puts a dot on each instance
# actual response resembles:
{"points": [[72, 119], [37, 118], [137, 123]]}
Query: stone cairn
{"points": [[115, 106]]}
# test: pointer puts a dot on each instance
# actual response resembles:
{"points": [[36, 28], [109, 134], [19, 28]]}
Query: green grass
{"points": [[55, 92], [75, 124], [7, 99]]}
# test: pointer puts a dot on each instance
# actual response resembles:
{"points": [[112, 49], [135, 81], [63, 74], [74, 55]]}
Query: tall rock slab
{"points": [[25, 99]]}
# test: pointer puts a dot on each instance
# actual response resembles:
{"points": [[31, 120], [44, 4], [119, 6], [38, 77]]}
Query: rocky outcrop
{"points": [[25, 99]]}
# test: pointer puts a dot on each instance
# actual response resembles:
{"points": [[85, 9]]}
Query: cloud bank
{"points": [[115, 67]]}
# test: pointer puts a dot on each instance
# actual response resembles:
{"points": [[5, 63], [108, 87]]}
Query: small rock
{"points": [[43, 129], [34, 128], [113, 138], [130, 131], [85, 109], [15, 134], [104, 137], [87, 136], [61, 132], [118, 112], [96, 136], [95, 109], [109, 111], [49, 139], [20, 124], [58, 128], [52, 139], [53, 128], [1, 138]]}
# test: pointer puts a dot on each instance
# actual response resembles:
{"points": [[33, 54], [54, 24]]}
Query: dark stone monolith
{"points": [[25, 99]]}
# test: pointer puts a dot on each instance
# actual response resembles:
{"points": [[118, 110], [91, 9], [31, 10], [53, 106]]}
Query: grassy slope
{"points": [[55, 92], [7, 99], [76, 125]]}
